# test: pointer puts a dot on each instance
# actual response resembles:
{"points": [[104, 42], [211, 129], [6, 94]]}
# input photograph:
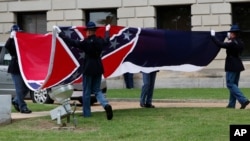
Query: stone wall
{"points": [[206, 14]]}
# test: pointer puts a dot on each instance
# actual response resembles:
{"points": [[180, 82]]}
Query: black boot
{"points": [[16, 106], [109, 111]]}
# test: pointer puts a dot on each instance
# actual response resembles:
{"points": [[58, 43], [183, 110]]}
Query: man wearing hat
{"points": [[21, 89], [92, 66], [233, 65]]}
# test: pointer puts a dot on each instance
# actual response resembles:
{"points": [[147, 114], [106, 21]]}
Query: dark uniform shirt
{"points": [[234, 49], [13, 66], [92, 46]]}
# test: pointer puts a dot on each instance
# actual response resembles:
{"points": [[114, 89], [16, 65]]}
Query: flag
{"points": [[145, 50], [33, 51], [46, 61], [42, 60]]}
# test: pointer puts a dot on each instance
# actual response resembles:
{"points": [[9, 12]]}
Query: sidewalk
{"points": [[133, 103]]}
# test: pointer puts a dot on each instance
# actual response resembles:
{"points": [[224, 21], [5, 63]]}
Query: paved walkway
{"points": [[132, 103]]}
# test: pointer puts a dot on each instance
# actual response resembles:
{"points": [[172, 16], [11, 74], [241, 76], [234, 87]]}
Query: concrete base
{"points": [[5, 112]]}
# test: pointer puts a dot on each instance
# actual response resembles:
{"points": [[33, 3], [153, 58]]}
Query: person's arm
{"points": [[10, 46], [107, 35], [219, 43], [69, 41], [8, 43]]}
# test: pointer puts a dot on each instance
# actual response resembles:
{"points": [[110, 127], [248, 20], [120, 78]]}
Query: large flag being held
{"points": [[46, 61]]}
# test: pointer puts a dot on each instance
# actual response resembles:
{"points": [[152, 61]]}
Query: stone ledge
{"points": [[5, 112]]}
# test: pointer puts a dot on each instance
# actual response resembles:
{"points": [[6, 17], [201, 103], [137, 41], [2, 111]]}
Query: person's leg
{"points": [[96, 89], [125, 76], [232, 101], [125, 79], [96, 84], [130, 80], [149, 97], [232, 98], [232, 85], [145, 88], [15, 103], [87, 80], [243, 106], [21, 91]]}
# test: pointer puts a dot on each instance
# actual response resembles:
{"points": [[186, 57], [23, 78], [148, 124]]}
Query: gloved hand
{"points": [[57, 29], [107, 27], [212, 33], [12, 34], [228, 35]]}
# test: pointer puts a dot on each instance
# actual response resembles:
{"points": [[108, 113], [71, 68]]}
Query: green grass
{"points": [[38, 107], [170, 124], [177, 93]]}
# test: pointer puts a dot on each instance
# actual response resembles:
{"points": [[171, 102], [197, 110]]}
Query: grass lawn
{"points": [[159, 124], [177, 93]]}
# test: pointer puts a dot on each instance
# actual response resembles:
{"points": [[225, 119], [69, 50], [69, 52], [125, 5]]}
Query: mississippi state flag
{"points": [[46, 61]]}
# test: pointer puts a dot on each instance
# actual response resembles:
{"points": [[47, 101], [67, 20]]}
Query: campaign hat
{"points": [[234, 28], [91, 26]]}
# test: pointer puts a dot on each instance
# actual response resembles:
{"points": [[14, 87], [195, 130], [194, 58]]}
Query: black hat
{"points": [[15, 28], [234, 28], [91, 26]]}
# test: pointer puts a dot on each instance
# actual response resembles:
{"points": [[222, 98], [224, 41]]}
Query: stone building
{"points": [[39, 16]]}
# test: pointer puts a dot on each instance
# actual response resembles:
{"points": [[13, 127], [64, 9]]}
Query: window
{"points": [[241, 16], [102, 17], [174, 17], [33, 22]]}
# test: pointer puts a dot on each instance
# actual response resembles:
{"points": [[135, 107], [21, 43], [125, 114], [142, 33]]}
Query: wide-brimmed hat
{"points": [[15, 27], [91, 26], [234, 28]]}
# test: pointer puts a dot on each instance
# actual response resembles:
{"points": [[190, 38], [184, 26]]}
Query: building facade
{"points": [[39, 16]]}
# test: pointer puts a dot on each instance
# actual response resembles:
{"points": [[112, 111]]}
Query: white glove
{"points": [[57, 29], [12, 34], [107, 27], [212, 33], [228, 35]]}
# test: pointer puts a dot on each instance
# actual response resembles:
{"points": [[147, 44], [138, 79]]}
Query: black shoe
{"points": [[26, 111], [109, 111], [149, 106], [244, 105], [15, 106], [230, 107], [142, 105]]}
